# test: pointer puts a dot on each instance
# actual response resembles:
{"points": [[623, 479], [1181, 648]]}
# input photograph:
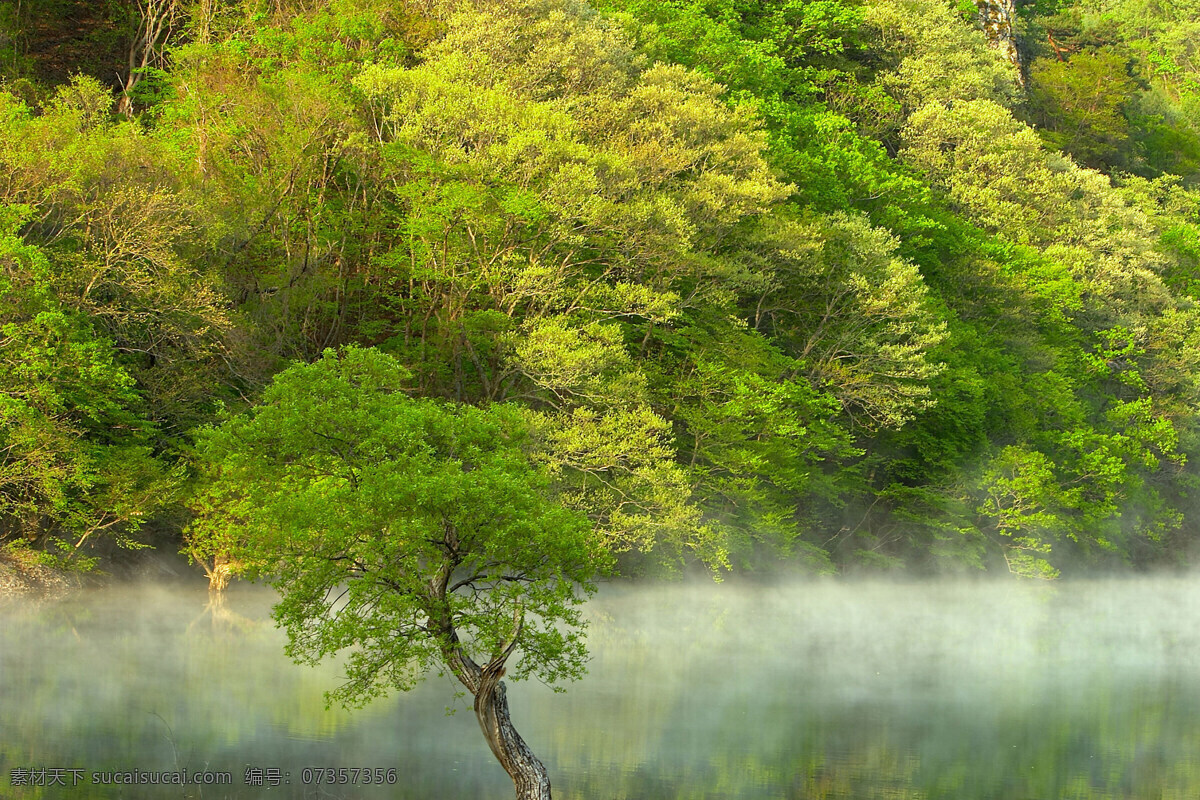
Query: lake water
{"points": [[859, 690]]}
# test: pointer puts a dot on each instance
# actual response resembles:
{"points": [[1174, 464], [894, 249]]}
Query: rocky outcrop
{"points": [[998, 18], [23, 577]]}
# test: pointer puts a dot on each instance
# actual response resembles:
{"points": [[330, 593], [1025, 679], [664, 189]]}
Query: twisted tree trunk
{"points": [[998, 18], [528, 773]]}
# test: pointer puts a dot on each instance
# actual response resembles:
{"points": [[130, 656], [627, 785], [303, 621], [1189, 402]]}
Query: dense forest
{"points": [[829, 285]]}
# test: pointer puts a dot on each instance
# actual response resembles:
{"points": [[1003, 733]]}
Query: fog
{"points": [[818, 689]]}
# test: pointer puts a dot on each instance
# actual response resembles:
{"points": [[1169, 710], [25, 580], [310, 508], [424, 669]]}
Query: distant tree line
{"points": [[809, 282]]}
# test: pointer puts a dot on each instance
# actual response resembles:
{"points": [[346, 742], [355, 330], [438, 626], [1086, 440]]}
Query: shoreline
{"points": [[23, 578]]}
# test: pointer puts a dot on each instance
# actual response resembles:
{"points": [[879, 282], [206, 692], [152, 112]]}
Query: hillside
{"points": [[823, 284]]}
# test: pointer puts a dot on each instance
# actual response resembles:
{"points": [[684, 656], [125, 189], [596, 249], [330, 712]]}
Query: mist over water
{"points": [[817, 689]]}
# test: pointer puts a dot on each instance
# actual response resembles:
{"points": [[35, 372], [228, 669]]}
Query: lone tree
{"points": [[416, 533]]}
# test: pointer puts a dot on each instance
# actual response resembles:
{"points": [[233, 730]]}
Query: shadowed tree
{"points": [[414, 534], [76, 461]]}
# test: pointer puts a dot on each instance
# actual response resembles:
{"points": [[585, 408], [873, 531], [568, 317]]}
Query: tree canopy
{"points": [[818, 280], [411, 534], [432, 311]]}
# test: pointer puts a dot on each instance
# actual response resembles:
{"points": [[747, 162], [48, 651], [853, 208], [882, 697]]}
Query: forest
{"points": [[830, 286]]}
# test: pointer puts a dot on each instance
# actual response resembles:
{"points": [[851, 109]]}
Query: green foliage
{"points": [[107, 210], [841, 301], [1080, 106], [764, 281], [1133, 81], [756, 437], [928, 55], [573, 197], [782, 49], [424, 526], [73, 431]]}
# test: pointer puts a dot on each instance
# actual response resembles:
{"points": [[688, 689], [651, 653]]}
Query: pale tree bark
{"points": [[204, 13], [156, 20], [998, 18], [529, 775], [219, 573]]}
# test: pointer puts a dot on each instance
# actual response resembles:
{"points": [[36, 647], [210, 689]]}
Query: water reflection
{"points": [[817, 690]]}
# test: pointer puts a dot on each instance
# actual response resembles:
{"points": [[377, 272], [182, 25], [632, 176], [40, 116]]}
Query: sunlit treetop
{"points": [[416, 531]]}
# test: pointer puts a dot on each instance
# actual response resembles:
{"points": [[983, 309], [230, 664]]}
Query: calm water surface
{"points": [[953, 690]]}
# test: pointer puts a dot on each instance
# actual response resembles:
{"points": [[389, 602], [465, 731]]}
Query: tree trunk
{"points": [[998, 17], [219, 574], [529, 775], [156, 20]]}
